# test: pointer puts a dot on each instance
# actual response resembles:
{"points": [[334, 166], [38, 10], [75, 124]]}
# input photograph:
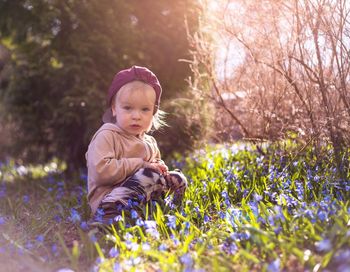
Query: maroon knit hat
{"points": [[125, 76]]}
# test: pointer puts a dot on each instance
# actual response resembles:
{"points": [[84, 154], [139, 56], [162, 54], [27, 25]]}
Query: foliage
{"points": [[190, 127], [64, 55], [270, 75], [285, 210]]}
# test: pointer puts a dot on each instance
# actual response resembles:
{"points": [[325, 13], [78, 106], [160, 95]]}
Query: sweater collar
{"points": [[115, 127]]}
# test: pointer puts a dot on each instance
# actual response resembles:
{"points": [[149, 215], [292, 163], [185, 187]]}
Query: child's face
{"points": [[133, 107]]}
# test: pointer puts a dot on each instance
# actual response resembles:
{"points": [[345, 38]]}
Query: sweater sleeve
{"points": [[155, 148], [105, 166]]}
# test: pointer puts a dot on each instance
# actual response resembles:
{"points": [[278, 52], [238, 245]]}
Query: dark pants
{"points": [[145, 185]]}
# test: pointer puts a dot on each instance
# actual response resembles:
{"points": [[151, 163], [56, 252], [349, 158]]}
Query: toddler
{"points": [[124, 163]]}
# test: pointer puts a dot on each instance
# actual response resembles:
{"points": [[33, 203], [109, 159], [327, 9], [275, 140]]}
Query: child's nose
{"points": [[136, 114]]}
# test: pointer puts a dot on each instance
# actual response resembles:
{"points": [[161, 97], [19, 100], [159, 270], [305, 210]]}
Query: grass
{"points": [[284, 211]]}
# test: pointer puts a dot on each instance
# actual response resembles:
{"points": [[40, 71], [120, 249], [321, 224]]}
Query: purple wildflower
{"points": [[162, 247], [74, 216], [25, 199], [117, 267], [113, 252], [186, 259], [324, 245], [40, 238], [274, 266], [84, 225], [134, 214], [54, 249], [171, 221], [229, 247]]}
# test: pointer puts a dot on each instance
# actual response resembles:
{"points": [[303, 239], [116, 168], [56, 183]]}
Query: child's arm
{"points": [[104, 165], [157, 163]]}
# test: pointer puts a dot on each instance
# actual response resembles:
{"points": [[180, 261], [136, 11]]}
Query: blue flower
{"points": [[171, 221], [118, 218], [224, 194], [254, 207], [162, 247], [245, 192], [322, 215], [244, 235], [186, 259], [186, 227], [57, 218], [134, 214], [146, 246], [25, 198], [221, 214], [93, 238], [197, 211], [324, 245], [309, 214], [128, 236], [210, 164], [279, 213], [257, 197], [2, 220], [29, 245], [300, 190], [60, 193], [98, 260], [140, 222], [113, 252], [274, 266], [54, 249], [175, 240], [83, 176], [74, 216], [206, 218], [84, 225], [277, 230], [238, 186], [40, 238], [229, 247], [342, 257], [309, 185], [169, 202], [117, 267], [99, 215], [2, 191], [130, 203], [151, 228]]}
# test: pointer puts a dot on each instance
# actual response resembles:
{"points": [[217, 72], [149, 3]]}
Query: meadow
{"points": [[286, 210]]}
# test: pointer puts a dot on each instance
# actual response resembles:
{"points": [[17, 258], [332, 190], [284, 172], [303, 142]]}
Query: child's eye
{"points": [[126, 107], [146, 109]]}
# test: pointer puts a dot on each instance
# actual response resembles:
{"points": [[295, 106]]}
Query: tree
{"points": [[290, 72], [64, 56]]}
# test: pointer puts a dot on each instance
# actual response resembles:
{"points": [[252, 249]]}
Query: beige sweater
{"points": [[112, 156]]}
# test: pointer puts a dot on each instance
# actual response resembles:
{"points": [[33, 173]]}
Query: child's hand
{"points": [[159, 166]]}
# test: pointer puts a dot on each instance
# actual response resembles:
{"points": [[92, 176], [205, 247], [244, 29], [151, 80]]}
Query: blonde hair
{"points": [[158, 121]]}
